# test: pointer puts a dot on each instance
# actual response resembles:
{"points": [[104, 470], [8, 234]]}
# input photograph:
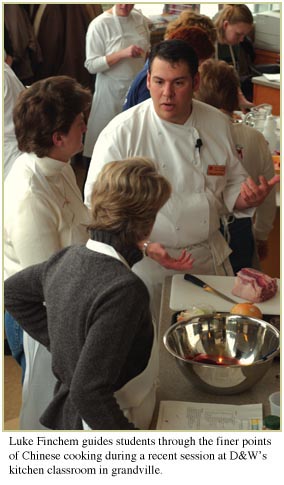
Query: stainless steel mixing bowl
{"points": [[249, 343]]}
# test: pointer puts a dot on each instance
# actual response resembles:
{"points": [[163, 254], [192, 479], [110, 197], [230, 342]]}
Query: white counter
{"points": [[262, 81]]}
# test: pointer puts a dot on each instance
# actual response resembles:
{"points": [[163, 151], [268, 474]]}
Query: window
{"points": [[209, 9], [263, 7]]}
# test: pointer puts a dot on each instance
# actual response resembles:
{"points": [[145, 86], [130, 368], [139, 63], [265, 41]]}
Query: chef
{"points": [[191, 145], [116, 45]]}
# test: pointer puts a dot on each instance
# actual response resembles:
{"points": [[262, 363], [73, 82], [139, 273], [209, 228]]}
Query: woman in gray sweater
{"points": [[96, 320]]}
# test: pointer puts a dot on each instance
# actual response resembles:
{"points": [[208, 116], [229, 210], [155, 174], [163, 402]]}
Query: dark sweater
{"points": [[97, 325]]}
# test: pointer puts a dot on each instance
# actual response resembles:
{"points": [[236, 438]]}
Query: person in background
{"points": [[25, 48], [196, 37], [12, 88], [117, 43], [219, 87], [192, 146], [175, 8], [43, 210], [189, 18], [234, 24], [8, 48], [63, 52], [96, 320]]}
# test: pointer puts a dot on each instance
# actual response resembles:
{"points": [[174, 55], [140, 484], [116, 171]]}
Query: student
{"points": [[219, 86], [233, 24], [43, 210], [96, 320]]}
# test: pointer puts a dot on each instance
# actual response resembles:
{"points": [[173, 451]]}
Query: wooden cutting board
{"points": [[185, 294]]}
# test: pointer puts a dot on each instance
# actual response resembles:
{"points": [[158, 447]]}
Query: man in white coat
{"points": [[191, 144]]}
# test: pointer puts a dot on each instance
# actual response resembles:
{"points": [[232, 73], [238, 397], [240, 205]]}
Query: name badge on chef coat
{"points": [[218, 170]]}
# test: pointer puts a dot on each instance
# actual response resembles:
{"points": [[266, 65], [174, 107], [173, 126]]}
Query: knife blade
{"points": [[198, 282]]}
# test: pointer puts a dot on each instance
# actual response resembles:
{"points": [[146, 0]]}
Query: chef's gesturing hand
{"points": [[157, 252], [252, 195]]}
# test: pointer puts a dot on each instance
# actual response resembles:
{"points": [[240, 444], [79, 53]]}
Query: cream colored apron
{"points": [[111, 85], [39, 381], [137, 397]]}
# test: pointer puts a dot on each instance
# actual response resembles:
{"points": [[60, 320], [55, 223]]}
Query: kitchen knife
{"points": [[196, 281]]}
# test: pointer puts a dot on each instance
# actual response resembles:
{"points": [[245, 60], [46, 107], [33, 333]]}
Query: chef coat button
{"points": [[163, 165], [177, 228], [205, 221]]}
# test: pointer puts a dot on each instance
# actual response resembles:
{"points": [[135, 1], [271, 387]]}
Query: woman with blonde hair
{"points": [[96, 320], [219, 87], [234, 24]]}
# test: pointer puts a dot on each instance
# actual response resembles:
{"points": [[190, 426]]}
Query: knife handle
{"points": [[195, 280]]}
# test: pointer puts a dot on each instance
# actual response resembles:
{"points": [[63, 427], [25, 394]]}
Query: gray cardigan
{"points": [[97, 325]]}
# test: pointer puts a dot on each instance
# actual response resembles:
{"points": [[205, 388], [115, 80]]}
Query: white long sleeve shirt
{"points": [[107, 34], [192, 214], [43, 211], [257, 160]]}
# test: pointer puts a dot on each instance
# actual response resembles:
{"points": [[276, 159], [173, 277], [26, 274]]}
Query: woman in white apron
{"points": [[96, 321], [116, 46], [43, 208]]}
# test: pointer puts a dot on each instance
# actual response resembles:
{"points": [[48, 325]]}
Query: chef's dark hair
{"points": [[174, 51]]}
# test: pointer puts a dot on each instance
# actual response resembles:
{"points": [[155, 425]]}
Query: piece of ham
{"points": [[252, 285]]}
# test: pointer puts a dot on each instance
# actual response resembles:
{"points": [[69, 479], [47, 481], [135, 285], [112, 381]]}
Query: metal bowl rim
{"points": [[253, 319], [257, 362]]}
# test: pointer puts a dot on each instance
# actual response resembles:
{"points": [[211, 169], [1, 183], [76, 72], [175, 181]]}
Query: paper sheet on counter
{"points": [[180, 415], [272, 77]]}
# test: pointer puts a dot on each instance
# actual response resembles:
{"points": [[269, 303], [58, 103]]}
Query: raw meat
{"points": [[252, 285]]}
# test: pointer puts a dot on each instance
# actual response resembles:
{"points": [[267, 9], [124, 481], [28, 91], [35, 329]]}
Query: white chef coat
{"points": [[137, 397], [43, 213], [191, 217], [257, 160], [12, 88], [109, 33]]}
